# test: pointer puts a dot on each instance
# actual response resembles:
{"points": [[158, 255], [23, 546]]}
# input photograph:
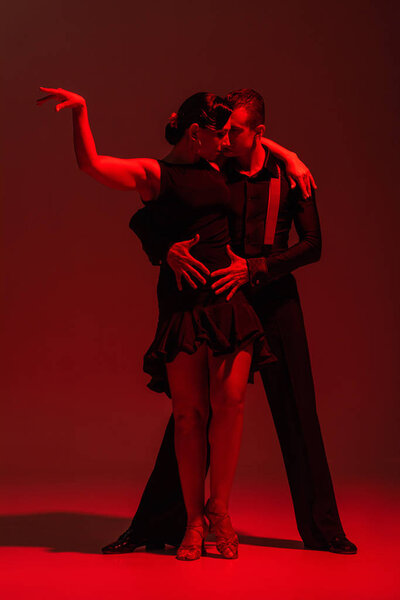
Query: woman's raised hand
{"points": [[68, 99], [141, 174]]}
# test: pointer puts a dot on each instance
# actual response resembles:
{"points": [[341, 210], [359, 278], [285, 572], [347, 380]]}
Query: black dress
{"points": [[195, 199]]}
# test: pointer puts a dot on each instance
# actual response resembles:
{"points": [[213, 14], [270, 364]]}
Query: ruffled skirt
{"points": [[225, 326]]}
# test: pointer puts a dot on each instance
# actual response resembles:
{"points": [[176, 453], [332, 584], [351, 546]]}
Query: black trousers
{"points": [[289, 386]]}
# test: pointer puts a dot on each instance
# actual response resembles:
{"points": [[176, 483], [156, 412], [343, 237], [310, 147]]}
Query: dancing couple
{"points": [[217, 213]]}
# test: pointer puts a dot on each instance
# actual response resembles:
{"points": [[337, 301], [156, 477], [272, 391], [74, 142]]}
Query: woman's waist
{"points": [[212, 256], [188, 297], [167, 279]]}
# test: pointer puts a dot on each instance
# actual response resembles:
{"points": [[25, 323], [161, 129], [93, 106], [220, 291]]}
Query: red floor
{"points": [[50, 540]]}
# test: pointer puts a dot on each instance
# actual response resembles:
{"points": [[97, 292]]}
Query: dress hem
{"points": [[157, 359]]}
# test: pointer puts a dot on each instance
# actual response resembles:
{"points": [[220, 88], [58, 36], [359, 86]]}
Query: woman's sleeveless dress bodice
{"points": [[194, 199]]}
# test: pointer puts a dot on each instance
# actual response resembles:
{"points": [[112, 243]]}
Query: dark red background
{"points": [[79, 295]]}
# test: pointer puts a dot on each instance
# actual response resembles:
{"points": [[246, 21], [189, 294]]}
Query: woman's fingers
{"points": [[69, 100], [308, 184], [53, 93], [313, 182], [65, 104], [51, 90], [41, 100], [303, 187], [56, 92]]}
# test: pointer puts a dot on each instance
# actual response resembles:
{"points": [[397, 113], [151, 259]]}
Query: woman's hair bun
{"points": [[172, 133], [173, 119]]}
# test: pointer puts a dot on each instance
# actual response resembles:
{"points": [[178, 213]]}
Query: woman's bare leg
{"points": [[228, 381], [188, 381]]}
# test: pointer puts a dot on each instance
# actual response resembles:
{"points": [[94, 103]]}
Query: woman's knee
{"points": [[189, 418], [228, 400], [228, 380]]}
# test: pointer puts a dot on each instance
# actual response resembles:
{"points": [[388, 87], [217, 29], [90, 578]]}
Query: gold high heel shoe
{"points": [[194, 549], [227, 541]]}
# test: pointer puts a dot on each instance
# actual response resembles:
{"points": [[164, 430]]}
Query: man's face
{"points": [[241, 135]]}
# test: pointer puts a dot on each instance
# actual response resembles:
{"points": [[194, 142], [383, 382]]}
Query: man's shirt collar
{"points": [[268, 170]]}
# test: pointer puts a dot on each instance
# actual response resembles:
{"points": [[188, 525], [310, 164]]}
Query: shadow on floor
{"points": [[252, 540], [61, 531], [85, 533]]}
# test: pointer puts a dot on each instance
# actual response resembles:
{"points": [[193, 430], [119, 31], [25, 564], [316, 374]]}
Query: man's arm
{"points": [[307, 250]]}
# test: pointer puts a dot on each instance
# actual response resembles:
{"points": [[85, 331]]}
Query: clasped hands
{"points": [[183, 264]]}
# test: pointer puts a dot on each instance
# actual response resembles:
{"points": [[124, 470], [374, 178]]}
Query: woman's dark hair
{"points": [[207, 110]]}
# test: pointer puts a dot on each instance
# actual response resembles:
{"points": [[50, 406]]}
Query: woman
{"points": [[205, 345]]}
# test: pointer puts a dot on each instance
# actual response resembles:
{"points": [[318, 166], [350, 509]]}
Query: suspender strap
{"points": [[273, 208]]}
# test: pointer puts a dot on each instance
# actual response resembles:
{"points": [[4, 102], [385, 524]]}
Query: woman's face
{"points": [[213, 142]]}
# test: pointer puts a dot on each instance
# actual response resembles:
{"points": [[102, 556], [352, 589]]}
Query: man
{"points": [[266, 204]]}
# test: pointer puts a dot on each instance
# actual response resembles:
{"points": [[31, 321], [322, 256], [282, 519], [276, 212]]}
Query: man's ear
{"points": [[194, 131], [260, 130]]}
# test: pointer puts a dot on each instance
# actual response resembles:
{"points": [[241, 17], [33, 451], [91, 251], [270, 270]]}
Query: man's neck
{"points": [[251, 163]]}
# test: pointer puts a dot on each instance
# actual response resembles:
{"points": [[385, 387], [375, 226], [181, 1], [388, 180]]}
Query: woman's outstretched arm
{"points": [[296, 170], [141, 174]]}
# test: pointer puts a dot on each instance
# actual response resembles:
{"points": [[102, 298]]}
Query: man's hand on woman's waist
{"points": [[231, 278], [184, 264]]}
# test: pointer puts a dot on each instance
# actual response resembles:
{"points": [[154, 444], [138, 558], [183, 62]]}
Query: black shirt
{"points": [[249, 199]]}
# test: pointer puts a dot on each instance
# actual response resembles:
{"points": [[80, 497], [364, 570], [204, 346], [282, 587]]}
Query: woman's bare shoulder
{"points": [[150, 165], [152, 170]]}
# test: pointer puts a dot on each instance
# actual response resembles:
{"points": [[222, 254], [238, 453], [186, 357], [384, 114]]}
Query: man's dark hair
{"points": [[252, 101]]}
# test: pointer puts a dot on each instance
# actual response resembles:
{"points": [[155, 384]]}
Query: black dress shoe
{"points": [[339, 544], [128, 543]]}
